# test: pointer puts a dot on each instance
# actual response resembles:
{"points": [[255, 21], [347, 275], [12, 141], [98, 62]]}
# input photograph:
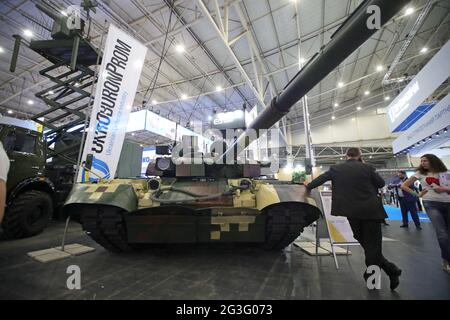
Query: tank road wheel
{"points": [[106, 226], [284, 224], [27, 215]]}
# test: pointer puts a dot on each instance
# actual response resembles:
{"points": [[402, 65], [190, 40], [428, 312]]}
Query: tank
{"points": [[193, 204], [218, 203]]}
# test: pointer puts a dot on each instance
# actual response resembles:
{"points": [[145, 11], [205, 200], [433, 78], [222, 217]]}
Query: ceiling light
{"points": [[424, 49], [409, 10], [154, 101], [445, 130], [10, 111], [358, 108], [340, 84], [437, 134], [379, 68], [366, 93], [64, 13], [333, 117], [336, 104], [132, 133], [219, 88], [301, 61], [141, 145], [183, 96], [387, 98], [370, 157], [30, 102], [180, 48], [51, 92], [28, 33], [2, 50], [77, 84]]}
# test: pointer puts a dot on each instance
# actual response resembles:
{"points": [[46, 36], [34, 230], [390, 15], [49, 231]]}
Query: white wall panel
{"points": [[367, 127]]}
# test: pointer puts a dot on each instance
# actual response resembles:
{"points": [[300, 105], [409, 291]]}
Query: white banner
{"points": [[118, 79], [160, 125], [434, 120], [339, 227], [136, 121], [435, 72]]}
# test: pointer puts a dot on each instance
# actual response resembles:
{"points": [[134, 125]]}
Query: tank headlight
{"points": [[153, 184], [163, 164], [245, 184]]}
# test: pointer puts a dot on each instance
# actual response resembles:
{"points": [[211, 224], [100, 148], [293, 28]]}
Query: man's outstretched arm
{"points": [[320, 180]]}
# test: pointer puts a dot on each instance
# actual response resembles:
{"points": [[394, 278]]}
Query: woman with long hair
{"points": [[435, 181]]}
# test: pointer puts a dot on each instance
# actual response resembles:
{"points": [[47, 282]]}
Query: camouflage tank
{"points": [[192, 203], [213, 203]]}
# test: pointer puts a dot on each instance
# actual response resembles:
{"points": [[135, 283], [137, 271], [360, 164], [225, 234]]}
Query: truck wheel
{"points": [[28, 215]]}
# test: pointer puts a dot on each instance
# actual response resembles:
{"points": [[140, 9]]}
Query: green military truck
{"points": [[31, 196], [37, 188]]}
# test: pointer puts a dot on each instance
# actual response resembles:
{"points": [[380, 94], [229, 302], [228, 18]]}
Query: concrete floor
{"points": [[219, 272]]}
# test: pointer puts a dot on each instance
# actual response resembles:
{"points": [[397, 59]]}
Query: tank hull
{"points": [[117, 216]]}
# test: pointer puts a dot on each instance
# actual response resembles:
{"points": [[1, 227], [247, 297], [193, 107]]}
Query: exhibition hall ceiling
{"points": [[206, 55]]}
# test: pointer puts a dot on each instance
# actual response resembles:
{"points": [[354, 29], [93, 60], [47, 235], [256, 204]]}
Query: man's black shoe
{"points": [[418, 227], [404, 226], [394, 279]]}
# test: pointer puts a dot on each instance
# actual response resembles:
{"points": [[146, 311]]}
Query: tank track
{"points": [[284, 224], [105, 225]]}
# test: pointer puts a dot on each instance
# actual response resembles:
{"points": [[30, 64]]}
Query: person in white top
{"points": [[435, 180], [4, 168]]}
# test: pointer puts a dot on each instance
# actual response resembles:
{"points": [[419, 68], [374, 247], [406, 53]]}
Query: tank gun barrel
{"points": [[349, 37]]}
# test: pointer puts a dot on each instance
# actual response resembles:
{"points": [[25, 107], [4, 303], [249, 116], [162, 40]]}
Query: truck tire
{"points": [[27, 215]]}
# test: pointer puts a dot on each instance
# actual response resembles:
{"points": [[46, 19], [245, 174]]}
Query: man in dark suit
{"points": [[355, 185]]}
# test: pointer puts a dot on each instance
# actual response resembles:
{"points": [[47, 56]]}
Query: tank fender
{"points": [[271, 194], [118, 195]]}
